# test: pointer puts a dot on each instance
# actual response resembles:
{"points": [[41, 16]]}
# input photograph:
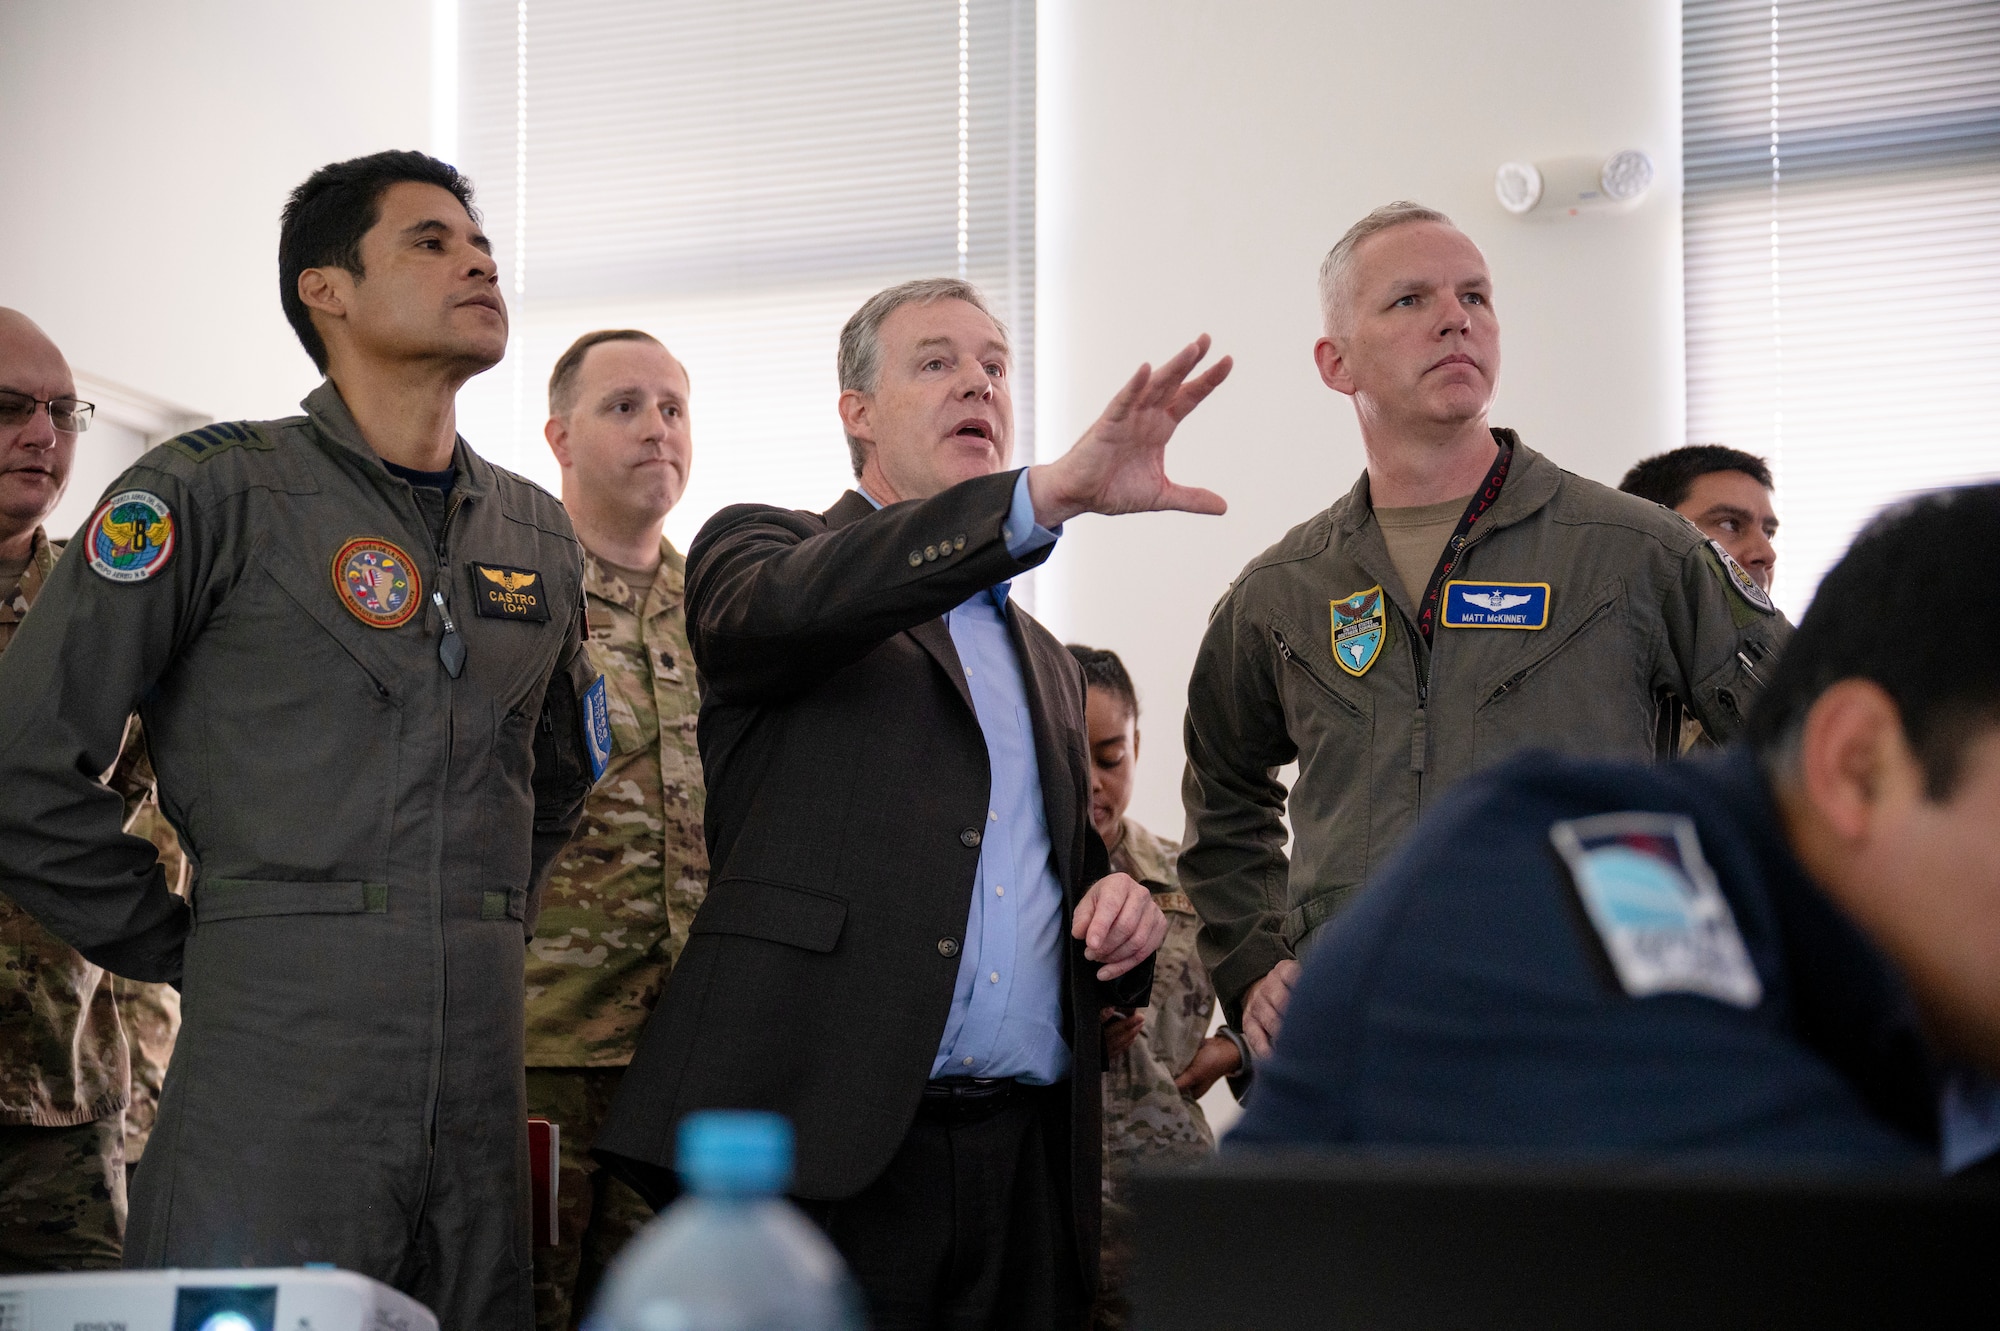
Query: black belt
{"points": [[968, 1099]]}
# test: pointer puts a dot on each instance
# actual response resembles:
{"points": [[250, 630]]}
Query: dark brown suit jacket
{"points": [[847, 791]]}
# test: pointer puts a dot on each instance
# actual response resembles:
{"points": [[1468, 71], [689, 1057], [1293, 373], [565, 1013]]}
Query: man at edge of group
{"points": [[1467, 599], [1766, 958], [1159, 1062], [1726, 494], [910, 929], [371, 761], [616, 911]]}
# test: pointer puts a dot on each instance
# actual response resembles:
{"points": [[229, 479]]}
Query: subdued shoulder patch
{"points": [[1740, 581], [1649, 893], [210, 440]]}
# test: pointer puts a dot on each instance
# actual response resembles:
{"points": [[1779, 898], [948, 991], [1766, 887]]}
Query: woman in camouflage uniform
{"points": [[1160, 1062]]}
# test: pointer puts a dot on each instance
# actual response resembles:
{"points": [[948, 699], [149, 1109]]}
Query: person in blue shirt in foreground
{"points": [[1784, 955]]}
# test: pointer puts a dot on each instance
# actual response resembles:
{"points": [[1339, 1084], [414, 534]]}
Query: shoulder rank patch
{"points": [[1654, 902], [597, 727], [1359, 626], [1496, 605], [209, 440], [1740, 579], [499, 592], [377, 582], [130, 537]]}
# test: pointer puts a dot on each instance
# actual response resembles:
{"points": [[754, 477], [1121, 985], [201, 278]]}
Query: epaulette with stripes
{"points": [[209, 440]]}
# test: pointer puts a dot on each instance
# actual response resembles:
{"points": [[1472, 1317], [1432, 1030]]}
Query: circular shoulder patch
{"points": [[377, 582], [1739, 578], [131, 537]]}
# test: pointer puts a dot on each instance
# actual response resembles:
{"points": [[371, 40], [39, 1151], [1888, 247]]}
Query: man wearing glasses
{"points": [[64, 1061], [358, 650]]}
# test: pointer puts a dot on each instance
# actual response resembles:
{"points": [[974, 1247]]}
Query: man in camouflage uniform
{"points": [[68, 1064], [1162, 1061], [625, 890]]}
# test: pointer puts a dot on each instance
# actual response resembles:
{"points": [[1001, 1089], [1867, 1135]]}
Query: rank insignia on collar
{"points": [[377, 582], [1359, 627], [1739, 578], [1496, 605], [130, 537], [1656, 906], [499, 592]]}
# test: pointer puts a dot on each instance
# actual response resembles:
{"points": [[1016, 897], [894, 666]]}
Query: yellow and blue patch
{"points": [[377, 582], [130, 537], [1496, 605], [1359, 627]]}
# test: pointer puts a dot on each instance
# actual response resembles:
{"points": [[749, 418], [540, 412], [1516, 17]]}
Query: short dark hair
{"points": [[1914, 607], [562, 379], [1666, 478], [326, 217], [1103, 670]]}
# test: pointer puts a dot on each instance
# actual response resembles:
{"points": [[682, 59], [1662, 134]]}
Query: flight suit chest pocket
{"points": [[1578, 686]]}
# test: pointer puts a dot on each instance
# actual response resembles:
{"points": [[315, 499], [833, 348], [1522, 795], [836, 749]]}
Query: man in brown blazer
{"points": [[910, 931]]}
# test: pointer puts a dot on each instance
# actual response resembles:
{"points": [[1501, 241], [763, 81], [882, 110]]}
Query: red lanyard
{"points": [[1487, 495]]}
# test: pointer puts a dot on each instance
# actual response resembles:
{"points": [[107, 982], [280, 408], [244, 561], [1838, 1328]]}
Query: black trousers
{"points": [[970, 1227]]}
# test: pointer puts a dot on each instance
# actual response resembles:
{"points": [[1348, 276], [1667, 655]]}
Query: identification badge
{"points": [[597, 727], [1740, 579], [130, 537], [499, 592], [1655, 904], [377, 582], [1359, 627], [1496, 605]]}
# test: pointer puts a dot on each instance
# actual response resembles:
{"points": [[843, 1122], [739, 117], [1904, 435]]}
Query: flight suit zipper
{"points": [[440, 585], [1515, 679], [1285, 650]]}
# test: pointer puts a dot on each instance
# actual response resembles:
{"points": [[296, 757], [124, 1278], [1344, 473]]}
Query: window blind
{"points": [[736, 179], [1842, 234]]}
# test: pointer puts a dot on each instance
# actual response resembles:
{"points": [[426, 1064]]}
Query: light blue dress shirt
{"points": [[1006, 1007]]}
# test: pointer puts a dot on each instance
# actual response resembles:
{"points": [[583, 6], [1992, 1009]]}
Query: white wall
{"points": [[1197, 161], [148, 150]]}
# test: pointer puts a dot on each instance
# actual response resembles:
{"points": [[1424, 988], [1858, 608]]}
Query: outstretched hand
{"points": [[1119, 466]]}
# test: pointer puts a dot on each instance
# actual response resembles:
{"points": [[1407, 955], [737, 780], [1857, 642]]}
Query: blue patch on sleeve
{"points": [[1496, 605], [597, 727]]}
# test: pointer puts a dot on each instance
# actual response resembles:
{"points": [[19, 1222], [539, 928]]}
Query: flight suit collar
{"points": [[329, 413], [667, 591], [1532, 481]]}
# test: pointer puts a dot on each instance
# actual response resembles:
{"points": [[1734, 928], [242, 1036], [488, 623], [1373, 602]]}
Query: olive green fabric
{"points": [[1637, 606], [347, 1085], [625, 890]]}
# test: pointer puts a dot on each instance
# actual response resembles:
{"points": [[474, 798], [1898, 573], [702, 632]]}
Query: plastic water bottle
{"points": [[732, 1254]]}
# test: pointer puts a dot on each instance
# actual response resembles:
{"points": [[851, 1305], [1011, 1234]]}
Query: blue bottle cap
{"points": [[735, 1151]]}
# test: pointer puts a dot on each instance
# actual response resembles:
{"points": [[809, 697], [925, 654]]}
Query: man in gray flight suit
{"points": [[1469, 598], [356, 648]]}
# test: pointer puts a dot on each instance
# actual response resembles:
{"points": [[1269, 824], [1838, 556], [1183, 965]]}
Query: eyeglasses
{"points": [[65, 413]]}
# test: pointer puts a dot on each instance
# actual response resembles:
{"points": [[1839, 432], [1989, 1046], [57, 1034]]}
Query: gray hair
{"points": [[861, 340], [1336, 271]]}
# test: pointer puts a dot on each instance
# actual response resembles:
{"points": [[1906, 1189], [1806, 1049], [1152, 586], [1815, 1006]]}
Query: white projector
{"points": [[272, 1299]]}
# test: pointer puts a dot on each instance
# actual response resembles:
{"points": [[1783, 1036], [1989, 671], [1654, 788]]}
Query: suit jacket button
{"points": [[916, 558], [947, 947], [970, 836], [958, 542], [930, 552]]}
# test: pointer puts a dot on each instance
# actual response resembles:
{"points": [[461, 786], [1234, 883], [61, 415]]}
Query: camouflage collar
{"points": [[1145, 856], [668, 589], [329, 413], [42, 554]]}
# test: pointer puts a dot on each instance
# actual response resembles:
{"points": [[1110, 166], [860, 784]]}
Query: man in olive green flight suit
{"points": [[625, 890], [369, 760], [1468, 599]]}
